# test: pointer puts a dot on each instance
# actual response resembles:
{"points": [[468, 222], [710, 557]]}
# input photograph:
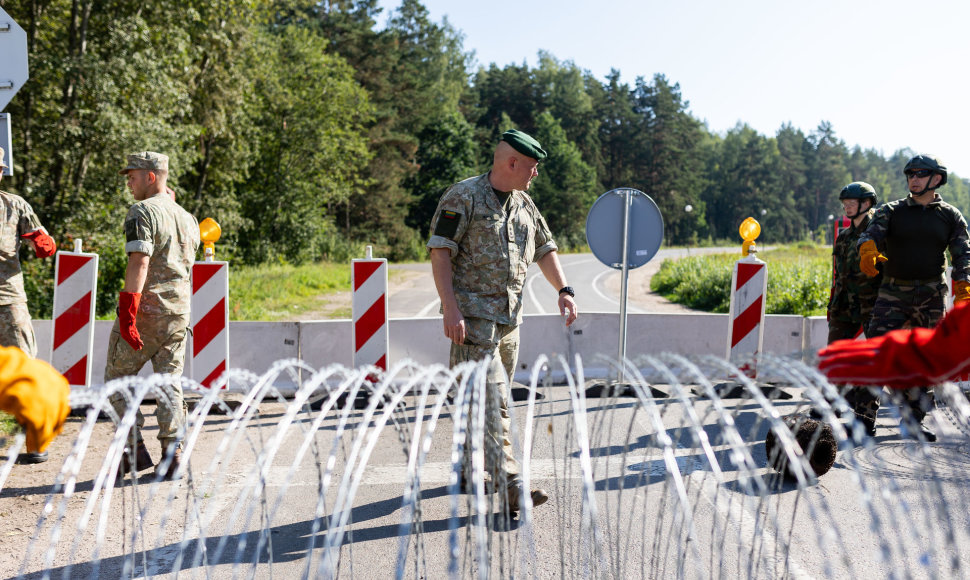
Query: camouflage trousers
{"points": [[902, 306], [16, 328], [164, 338], [842, 329], [500, 342]]}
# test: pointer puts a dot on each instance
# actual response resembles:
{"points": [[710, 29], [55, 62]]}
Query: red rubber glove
{"points": [[44, 245], [127, 309], [35, 394], [903, 358]]}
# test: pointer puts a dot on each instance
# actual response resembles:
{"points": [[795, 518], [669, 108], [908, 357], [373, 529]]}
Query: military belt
{"points": [[924, 282]]}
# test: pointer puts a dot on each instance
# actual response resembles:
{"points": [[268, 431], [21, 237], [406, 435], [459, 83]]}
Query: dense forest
{"points": [[306, 127]]}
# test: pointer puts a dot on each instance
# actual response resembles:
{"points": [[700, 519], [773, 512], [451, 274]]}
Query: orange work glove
{"points": [[35, 394], [44, 245], [900, 359], [869, 256], [961, 291], [127, 309]]}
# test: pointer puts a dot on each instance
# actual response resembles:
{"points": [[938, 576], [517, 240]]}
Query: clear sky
{"points": [[887, 74]]}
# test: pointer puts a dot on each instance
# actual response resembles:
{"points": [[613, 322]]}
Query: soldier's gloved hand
{"points": [[44, 245], [869, 256], [903, 358], [35, 394], [961, 291], [127, 309]]}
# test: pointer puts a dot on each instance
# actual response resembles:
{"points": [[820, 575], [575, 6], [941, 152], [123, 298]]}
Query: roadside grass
{"points": [[8, 426], [799, 278], [282, 291]]}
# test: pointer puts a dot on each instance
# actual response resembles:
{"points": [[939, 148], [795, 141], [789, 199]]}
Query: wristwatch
{"points": [[567, 290]]}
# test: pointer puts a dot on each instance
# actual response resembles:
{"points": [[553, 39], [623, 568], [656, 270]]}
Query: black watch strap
{"points": [[567, 290]]}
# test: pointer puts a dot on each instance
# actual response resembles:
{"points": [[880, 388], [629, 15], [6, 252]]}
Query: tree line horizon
{"points": [[306, 131]]}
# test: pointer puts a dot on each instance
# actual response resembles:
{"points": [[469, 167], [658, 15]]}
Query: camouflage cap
{"points": [[2, 164], [524, 144], [146, 160]]}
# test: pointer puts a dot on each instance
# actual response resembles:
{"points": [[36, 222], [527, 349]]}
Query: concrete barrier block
{"points": [[255, 346], [818, 335], [784, 334], [326, 342], [419, 339]]}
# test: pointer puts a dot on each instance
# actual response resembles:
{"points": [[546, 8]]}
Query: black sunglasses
{"points": [[918, 173]]}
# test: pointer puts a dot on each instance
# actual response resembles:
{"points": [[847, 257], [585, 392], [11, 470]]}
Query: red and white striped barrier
{"points": [[841, 223], [75, 290], [369, 306], [210, 321], [746, 328]]}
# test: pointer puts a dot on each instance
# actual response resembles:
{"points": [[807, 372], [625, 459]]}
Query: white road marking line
{"points": [[529, 286], [429, 308]]}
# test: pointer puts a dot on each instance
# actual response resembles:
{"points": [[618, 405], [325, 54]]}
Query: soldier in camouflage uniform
{"points": [[17, 220], [909, 237], [161, 240], [485, 233], [853, 293]]}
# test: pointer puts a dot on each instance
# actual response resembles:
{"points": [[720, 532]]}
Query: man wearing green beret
{"points": [[484, 234]]}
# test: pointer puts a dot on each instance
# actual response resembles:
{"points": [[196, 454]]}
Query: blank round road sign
{"points": [[13, 58], [604, 228]]}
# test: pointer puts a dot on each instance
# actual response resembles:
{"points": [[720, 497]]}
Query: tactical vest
{"points": [[916, 241]]}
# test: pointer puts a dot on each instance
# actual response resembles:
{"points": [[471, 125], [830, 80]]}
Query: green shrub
{"points": [[799, 278]]}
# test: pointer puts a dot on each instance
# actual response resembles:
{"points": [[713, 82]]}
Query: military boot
{"points": [[539, 497], [142, 460], [174, 453], [868, 423], [466, 482], [29, 457], [920, 409], [927, 432]]}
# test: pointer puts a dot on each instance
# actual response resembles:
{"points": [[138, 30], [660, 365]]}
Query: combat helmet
{"points": [[859, 190], [927, 161]]}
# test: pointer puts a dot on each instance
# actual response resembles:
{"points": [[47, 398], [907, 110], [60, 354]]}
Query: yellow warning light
{"points": [[209, 231], [750, 230]]}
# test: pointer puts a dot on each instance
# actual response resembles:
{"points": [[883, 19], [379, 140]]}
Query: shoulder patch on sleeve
{"points": [[447, 224]]}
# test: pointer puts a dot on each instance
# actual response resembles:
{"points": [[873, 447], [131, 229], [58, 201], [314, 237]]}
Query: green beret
{"points": [[524, 144]]}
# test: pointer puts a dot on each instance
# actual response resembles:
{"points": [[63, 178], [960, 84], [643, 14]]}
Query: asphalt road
{"points": [[597, 286], [888, 508]]}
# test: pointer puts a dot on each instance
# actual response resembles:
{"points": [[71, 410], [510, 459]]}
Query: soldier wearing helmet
{"points": [[853, 292], [907, 239]]}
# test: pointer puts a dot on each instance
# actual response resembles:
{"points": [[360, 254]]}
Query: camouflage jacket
{"points": [[491, 247], [16, 219], [915, 238], [159, 227], [853, 293]]}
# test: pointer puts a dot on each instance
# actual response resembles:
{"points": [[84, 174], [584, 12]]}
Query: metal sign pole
{"points": [[642, 234], [624, 280]]}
